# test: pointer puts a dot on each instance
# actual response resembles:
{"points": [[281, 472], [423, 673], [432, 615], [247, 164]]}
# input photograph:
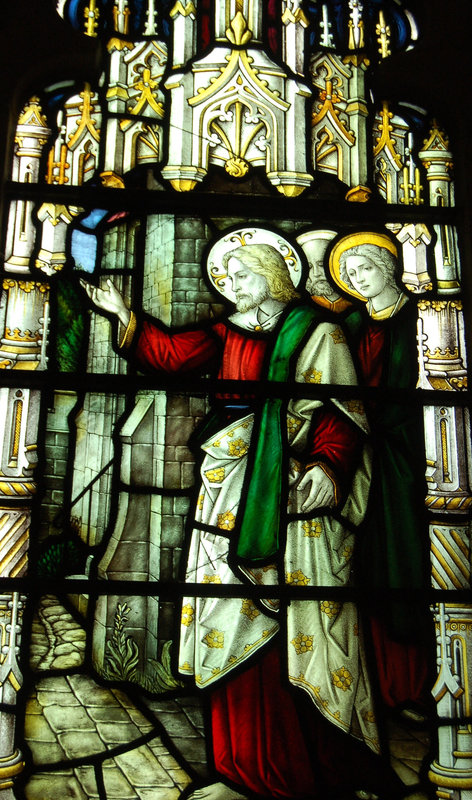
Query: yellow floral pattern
{"points": [[293, 426], [238, 448], [342, 679], [348, 551], [312, 376], [302, 643], [226, 521], [214, 639], [312, 529], [330, 607], [354, 406], [211, 579], [215, 475], [188, 613], [297, 578], [249, 609], [338, 336], [200, 500]]}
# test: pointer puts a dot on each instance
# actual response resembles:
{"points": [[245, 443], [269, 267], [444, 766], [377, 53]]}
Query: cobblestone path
{"points": [[89, 742], [93, 742], [57, 639]]}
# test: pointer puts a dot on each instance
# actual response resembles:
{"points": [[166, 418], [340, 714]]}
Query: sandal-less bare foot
{"points": [[217, 791]]}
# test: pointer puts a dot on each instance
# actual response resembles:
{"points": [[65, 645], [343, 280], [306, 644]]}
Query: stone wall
{"points": [[56, 450]]}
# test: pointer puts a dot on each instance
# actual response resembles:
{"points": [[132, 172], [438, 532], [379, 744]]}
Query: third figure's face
{"points": [[366, 277], [250, 288]]}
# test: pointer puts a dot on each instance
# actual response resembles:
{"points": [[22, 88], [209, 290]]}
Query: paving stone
{"points": [[74, 635], [159, 794], [65, 624], [68, 718], [141, 768], [191, 749], [158, 748], [407, 775], [117, 715], [51, 786], [38, 730], [168, 761], [87, 744], [46, 752], [32, 706], [117, 786], [118, 734], [123, 698], [57, 684], [73, 659], [177, 725], [86, 777], [64, 649], [407, 748], [180, 777], [49, 698], [89, 693], [139, 719], [195, 716]]}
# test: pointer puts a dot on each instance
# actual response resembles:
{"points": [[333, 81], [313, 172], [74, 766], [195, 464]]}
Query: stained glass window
{"points": [[235, 476]]}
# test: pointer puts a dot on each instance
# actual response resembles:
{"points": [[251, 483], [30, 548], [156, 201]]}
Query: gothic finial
{"points": [[150, 28]]}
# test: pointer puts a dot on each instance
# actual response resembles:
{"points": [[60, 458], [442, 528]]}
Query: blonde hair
{"points": [[265, 260], [380, 256]]}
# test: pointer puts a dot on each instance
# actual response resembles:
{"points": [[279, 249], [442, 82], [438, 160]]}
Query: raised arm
{"points": [[150, 344], [109, 300]]}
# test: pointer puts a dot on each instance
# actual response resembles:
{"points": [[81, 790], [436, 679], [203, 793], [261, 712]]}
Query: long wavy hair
{"points": [[265, 260]]}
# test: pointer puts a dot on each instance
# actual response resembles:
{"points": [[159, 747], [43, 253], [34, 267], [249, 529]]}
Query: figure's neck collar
{"points": [[389, 311], [261, 318]]}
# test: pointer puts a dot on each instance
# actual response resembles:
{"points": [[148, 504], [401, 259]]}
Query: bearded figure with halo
{"points": [[283, 486]]}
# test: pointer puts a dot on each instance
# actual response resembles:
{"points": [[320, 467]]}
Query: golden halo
{"points": [[353, 240], [244, 236]]}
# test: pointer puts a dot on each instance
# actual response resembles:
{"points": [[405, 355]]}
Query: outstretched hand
{"points": [[108, 299], [321, 491]]}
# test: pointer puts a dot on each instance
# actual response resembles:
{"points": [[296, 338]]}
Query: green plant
{"points": [[159, 678], [121, 651]]}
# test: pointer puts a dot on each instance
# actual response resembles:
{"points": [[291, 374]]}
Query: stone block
{"points": [[186, 227], [142, 769], [188, 270], [172, 476], [37, 729], [182, 314], [68, 718], [117, 734], [176, 562], [89, 693], [166, 564], [172, 531], [179, 430], [188, 475], [186, 285], [87, 744], [181, 505], [116, 785], [177, 405], [52, 785], [184, 250], [182, 453]]}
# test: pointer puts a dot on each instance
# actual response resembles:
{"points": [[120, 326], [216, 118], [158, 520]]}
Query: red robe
{"points": [[402, 667], [265, 738]]}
